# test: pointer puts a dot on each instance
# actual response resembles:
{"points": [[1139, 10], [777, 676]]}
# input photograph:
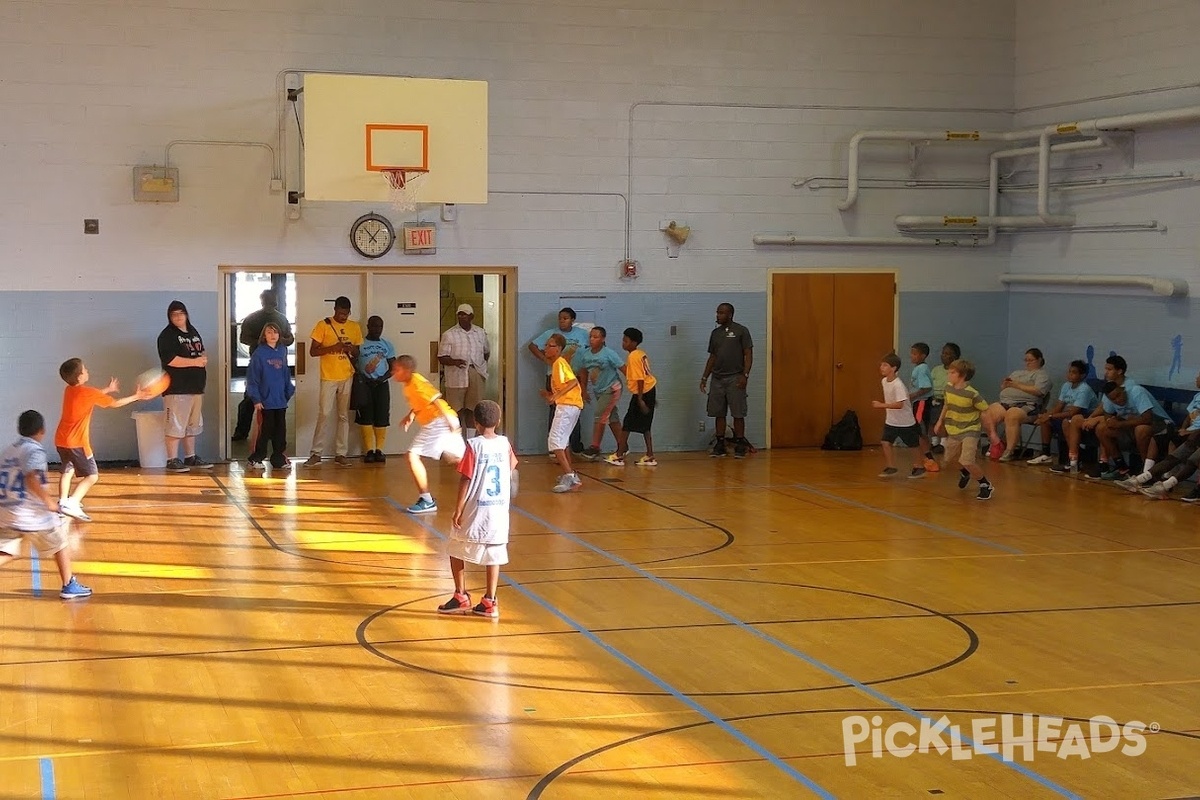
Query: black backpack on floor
{"points": [[844, 434]]}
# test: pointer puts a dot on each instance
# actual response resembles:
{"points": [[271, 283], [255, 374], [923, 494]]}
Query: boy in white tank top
{"points": [[480, 532]]}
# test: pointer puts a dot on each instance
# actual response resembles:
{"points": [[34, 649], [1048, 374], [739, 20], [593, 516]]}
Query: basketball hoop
{"points": [[402, 187]]}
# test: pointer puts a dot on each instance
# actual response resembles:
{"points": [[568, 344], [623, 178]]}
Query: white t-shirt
{"points": [[487, 462], [893, 392], [20, 509]]}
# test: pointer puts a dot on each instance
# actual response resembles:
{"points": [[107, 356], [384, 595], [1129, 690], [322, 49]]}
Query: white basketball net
{"points": [[402, 188]]}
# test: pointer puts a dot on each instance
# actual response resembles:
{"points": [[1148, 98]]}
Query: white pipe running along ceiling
{"points": [[1164, 287]]}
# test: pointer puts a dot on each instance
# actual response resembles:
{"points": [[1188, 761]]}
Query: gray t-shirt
{"points": [[728, 343], [1035, 377]]}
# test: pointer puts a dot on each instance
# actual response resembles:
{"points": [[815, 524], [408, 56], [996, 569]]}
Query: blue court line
{"points": [[785, 647], [35, 567], [47, 767], [902, 518], [628, 661]]}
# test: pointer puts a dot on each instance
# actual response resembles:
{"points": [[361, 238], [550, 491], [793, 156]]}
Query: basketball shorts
{"points": [[636, 420], [436, 440], [606, 403], [909, 436], [49, 542], [183, 415], [478, 552], [565, 419], [76, 459]]}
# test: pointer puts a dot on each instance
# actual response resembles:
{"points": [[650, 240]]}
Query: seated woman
{"points": [[1022, 396]]}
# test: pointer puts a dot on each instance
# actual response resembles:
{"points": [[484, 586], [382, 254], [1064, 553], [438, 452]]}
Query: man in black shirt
{"points": [[730, 358], [181, 351]]}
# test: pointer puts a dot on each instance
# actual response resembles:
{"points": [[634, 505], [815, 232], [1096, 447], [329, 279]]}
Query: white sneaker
{"points": [[647, 461], [575, 481], [1037, 461], [565, 484], [73, 508]]}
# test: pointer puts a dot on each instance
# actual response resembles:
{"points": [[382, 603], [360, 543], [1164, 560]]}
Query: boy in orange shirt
{"points": [[439, 436], [640, 415], [567, 398], [73, 437]]}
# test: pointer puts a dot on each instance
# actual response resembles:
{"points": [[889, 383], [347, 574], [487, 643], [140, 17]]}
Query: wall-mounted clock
{"points": [[372, 235]]}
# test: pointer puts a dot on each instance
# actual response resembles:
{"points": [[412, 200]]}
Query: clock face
{"points": [[372, 235]]}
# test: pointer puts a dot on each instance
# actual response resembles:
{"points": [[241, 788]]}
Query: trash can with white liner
{"points": [[151, 438]]}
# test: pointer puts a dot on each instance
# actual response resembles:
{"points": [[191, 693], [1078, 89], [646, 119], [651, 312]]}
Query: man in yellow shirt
{"points": [[335, 340]]}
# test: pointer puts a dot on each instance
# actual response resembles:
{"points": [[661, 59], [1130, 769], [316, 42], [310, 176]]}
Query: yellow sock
{"points": [[367, 437], [380, 438]]}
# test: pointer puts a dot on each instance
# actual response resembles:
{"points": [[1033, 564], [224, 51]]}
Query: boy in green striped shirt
{"points": [[961, 423]]}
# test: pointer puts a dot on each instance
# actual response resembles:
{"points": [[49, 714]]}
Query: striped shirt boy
{"points": [[963, 409]]}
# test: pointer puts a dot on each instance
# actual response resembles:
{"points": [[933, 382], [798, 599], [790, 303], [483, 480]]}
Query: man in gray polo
{"points": [[730, 358]]}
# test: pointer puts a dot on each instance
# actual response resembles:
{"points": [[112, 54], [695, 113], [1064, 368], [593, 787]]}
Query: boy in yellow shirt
{"points": [[439, 436], [640, 415], [567, 398]]}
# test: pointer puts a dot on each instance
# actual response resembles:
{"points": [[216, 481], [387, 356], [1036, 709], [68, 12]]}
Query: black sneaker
{"points": [[177, 465], [718, 450], [1192, 496], [938, 449], [369, 457], [740, 448], [196, 462], [985, 492], [964, 478], [380, 457], [590, 453], [1065, 469], [917, 472]]}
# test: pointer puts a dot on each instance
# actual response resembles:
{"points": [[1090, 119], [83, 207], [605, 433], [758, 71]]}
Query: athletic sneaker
{"points": [[74, 590], [368, 457], [718, 448], [460, 603], [647, 461], [917, 472], [73, 508], [1114, 474], [1039, 460], [1193, 495], [1158, 492], [380, 458], [1006, 457], [740, 448], [590, 453], [575, 481], [888, 472], [931, 465], [488, 607], [1065, 469], [254, 464], [565, 484], [985, 492], [196, 462], [422, 507], [314, 460], [1131, 484], [177, 465], [964, 478], [614, 459], [341, 461]]}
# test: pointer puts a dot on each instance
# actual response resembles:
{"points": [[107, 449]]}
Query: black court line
{"points": [[564, 768]]}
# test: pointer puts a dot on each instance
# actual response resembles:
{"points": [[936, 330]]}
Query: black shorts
{"points": [[376, 412], [635, 420], [74, 458], [910, 436]]}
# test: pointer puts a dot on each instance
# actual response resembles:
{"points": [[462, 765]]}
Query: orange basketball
{"points": [[154, 381]]}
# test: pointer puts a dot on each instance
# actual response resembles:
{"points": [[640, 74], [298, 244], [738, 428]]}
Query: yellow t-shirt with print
{"points": [[336, 366], [637, 368], [560, 375]]}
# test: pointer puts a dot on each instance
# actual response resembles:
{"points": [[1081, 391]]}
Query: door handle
{"points": [[838, 365]]}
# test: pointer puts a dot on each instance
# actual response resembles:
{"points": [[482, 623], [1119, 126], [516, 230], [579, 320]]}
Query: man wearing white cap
{"points": [[463, 353]]}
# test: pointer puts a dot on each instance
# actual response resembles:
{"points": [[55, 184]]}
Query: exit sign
{"points": [[420, 239]]}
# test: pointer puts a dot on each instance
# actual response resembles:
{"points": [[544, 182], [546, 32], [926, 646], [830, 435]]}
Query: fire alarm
{"points": [[629, 269]]}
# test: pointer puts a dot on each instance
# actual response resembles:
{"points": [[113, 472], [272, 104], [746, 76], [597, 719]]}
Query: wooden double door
{"points": [[829, 331]]}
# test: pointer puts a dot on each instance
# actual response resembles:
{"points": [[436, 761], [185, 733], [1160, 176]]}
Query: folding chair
{"points": [[1033, 429]]}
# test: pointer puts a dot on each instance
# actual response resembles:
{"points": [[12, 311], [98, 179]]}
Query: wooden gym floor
{"points": [[697, 630]]}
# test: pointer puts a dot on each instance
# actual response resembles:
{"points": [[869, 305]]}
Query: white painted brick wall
{"points": [[90, 88], [1081, 60]]}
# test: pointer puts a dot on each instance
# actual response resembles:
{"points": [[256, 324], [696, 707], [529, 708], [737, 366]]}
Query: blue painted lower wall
{"points": [[115, 333]]}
